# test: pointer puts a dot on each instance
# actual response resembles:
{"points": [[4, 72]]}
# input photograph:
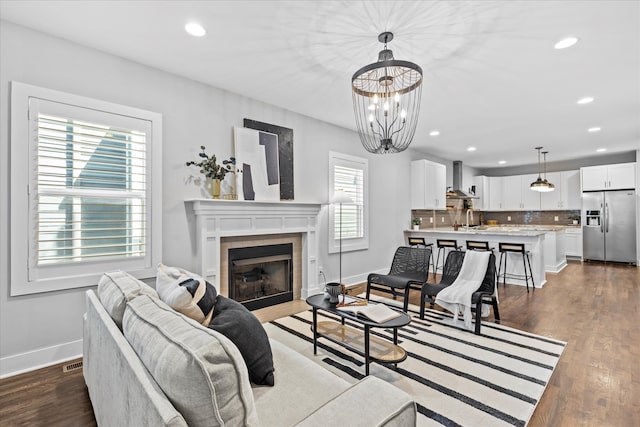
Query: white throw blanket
{"points": [[457, 297]]}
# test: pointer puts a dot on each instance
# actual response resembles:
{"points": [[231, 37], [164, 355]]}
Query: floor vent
{"points": [[72, 366]]}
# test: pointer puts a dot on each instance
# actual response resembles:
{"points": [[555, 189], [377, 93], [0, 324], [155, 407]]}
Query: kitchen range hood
{"points": [[458, 193]]}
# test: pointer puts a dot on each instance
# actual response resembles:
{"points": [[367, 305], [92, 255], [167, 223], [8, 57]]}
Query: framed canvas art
{"points": [[257, 164]]}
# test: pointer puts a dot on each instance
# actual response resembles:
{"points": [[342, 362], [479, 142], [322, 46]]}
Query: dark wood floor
{"points": [[594, 307]]}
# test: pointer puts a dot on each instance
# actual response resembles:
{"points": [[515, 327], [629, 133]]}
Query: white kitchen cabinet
{"points": [[530, 198], [609, 177], [566, 195], [428, 185], [512, 193], [573, 242], [482, 192], [517, 193], [495, 193]]}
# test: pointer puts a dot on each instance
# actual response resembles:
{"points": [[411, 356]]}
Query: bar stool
{"points": [[476, 245], [419, 241], [515, 248], [444, 244]]}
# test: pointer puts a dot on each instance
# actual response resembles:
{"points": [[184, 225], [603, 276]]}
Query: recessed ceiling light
{"points": [[585, 100], [502, 162], [601, 150], [566, 42], [471, 149], [434, 133], [594, 129], [195, 29]]}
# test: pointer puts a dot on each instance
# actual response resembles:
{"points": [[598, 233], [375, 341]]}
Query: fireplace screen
{"points": [[261, 276]]}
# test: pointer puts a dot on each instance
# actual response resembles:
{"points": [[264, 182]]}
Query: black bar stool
{"points": [[515, 248], [476, 245], [419, 241], [444, 244]]}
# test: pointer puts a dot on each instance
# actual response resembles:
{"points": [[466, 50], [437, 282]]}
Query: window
{"points": [[348, 174], [82, 171]]}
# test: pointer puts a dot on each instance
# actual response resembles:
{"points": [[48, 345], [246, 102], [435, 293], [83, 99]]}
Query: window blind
{"points": [[351, 181], [90, 191]]}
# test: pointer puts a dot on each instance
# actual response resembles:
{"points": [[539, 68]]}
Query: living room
{"points": [[40, 329]]}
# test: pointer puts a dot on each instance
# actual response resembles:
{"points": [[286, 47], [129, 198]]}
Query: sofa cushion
{"points": [[186, 292], [234, 321], [116, 288], [303, 383], [200, 370]]}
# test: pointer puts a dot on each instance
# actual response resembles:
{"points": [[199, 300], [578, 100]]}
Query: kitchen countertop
{"points": [[512, 230]]}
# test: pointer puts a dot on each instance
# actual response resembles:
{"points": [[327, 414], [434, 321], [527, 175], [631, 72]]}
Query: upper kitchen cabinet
{"points": [[482, 192], [619, 176], [566, 196], [517, 193], [496, 194], [428, 185]]}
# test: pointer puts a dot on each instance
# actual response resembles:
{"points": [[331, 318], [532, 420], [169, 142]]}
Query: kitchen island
{"points": [[532, 237]]}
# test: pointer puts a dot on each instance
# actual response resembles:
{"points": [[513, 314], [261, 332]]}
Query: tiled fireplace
{"points": [[226, 228]]}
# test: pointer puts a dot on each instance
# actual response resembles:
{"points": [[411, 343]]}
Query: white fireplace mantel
{"points": [[227, 218]]}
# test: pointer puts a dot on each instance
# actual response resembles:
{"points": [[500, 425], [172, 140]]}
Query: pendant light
{"points": [[386, 101], [540, 184]]}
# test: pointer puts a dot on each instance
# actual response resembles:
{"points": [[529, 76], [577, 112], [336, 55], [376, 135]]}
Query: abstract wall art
{"points": [[257, 163], [284, 152]]}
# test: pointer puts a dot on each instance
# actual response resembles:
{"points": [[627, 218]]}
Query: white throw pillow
{"points": [[186, 292]]}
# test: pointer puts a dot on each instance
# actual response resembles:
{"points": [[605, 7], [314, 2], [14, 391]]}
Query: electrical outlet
{"points": [[442, 219], [430, 220], [508, 218], [555, 218]]}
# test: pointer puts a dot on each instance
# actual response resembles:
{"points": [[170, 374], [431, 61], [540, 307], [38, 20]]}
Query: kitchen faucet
{"points": [[469, 214]]}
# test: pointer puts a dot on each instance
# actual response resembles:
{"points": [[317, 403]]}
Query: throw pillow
{"points": [[116, 288], [234, 321], [186, 293], [198, 369]]}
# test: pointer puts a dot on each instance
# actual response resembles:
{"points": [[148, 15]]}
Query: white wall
{"points": [[44, 328]]}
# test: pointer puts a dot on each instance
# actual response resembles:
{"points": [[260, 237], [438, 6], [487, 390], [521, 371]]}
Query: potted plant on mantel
{"points": [[214, 171], [416, 223]]}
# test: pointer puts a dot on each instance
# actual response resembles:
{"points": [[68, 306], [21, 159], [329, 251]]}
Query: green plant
{"points": [[210, 167], [574, 217], [416, 221]]}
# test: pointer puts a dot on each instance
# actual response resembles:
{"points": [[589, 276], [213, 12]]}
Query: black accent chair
{"points": [[420, 242], [484, 294], [409, 270]]}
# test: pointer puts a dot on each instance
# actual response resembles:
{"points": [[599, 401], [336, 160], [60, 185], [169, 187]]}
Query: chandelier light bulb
{"points": [[375, 99], [397, 98], [403, 113], [371, 118]]}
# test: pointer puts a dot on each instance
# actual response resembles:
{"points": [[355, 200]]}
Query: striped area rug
{"points": [[457, 378]]}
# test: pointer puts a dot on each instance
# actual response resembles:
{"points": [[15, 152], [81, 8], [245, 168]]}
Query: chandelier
{"points": [[386, 101], [542, 185]]}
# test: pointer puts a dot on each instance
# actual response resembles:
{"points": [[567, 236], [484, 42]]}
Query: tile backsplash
{"points": [[449, 217]]}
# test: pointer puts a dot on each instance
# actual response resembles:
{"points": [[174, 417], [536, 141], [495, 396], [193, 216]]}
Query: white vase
{"points": [[416, 228]]}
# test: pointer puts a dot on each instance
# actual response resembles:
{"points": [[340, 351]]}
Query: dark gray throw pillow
{"points": [[235, 322]]}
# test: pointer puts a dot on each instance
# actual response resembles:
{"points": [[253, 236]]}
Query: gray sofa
{"points": [[148, 365]]}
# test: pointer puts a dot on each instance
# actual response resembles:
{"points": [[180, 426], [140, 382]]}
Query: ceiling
{"points": [[492, 78]]}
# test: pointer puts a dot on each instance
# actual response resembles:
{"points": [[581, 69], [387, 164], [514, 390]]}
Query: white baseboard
{"points": [[41, 358]]}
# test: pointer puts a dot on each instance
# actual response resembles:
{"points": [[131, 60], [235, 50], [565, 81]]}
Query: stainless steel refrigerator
{"points": [[609, 226]]}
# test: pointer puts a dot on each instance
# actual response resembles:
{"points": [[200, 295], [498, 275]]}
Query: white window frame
{"points": [[348, 244], [28, 278]]}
